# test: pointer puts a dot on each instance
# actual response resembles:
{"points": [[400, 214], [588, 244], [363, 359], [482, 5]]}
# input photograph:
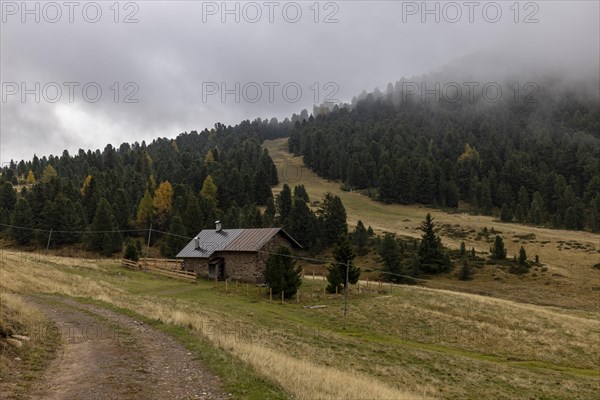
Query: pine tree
{"points": [[390, 255], [284, 204], [523, 201], [104, 237], [505, 213], [463, 250], [522, 256], [485, 202], [464, 273], [570, 220], [519, 213], [282, 273], [426, 191], [332, 219], [269, 214], [22, 221], [131, 251], [193, 219], [8, 197], [498, 251], [432, 257], [300, 192], [387, 192], [301, 223], [262, 185], [176, 239], [123, 210], [344, 257], [360, 237]]}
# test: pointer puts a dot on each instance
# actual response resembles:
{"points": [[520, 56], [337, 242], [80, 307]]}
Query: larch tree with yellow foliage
{"points": [[209, 191], [30, 178], [144, 211], [162, 205], [48, 174]]}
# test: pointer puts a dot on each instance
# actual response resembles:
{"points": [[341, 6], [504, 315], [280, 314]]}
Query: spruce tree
{"points": [[269, 214], [8, 197], [360, 237], [463, 249], [332, 220], [284, 204], [22, 221], [344, 257], [104, 237], [432, 257], [505, 213], [300, 192], [282, 274], [390, 255], [176, 239], [123, 209], [387, 192], [193, 219], [498, 251], [464, 273], [522, 256], [301, 223], [131, 251]]}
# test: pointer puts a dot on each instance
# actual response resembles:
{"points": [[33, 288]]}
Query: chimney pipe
{"points": [[197, 242], [218, 226]]}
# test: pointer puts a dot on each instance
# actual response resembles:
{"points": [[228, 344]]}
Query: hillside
{"points": [[411, 343], [525, 159], [570, 280]]}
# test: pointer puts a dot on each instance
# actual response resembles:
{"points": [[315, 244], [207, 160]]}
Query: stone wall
{"points": [[250, 266], [197, 265]]}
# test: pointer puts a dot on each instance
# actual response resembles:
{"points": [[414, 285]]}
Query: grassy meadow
{"points": [[567, 279], [396, 343]]}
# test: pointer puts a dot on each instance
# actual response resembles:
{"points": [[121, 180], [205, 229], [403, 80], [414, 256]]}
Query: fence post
{"points": [[270, 294], [282, 297]]}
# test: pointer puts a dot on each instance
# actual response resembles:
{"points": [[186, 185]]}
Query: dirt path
{"points": [[107, 355]]}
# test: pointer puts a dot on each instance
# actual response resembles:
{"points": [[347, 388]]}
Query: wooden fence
{"points": [[162, 266]]}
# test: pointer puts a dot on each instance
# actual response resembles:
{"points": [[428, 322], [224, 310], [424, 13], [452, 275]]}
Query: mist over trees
{"points": [[530, 161]]}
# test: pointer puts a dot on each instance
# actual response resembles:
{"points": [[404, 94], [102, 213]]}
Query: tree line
{"points": [[527, 162]]}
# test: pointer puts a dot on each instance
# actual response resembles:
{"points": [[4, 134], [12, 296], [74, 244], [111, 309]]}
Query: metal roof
{"points": [[212, 241]]}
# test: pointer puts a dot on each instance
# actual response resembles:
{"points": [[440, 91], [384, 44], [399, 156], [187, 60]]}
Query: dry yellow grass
{"points": [[301, 378], [570, 280], [20, 366], [420, 343]]}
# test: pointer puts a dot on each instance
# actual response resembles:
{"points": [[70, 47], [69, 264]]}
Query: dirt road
{"points": [[106, 355]]}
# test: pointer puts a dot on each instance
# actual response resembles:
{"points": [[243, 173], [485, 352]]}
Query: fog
{"points": [[182, 66]]}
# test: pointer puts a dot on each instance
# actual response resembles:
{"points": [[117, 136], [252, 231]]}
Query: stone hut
{"points": [[236, 254]]}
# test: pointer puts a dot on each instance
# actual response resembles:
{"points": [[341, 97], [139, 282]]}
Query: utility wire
{"points": [[463, 289]]}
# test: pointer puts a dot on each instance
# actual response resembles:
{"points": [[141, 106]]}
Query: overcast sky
{"points": [[163, 72]]}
